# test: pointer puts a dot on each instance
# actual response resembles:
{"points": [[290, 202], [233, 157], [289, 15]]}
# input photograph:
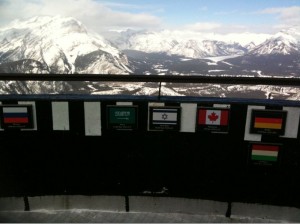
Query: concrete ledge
{"points": [[176, 205], [152, 204], [65, 202], [266, 212], [12, 204]]}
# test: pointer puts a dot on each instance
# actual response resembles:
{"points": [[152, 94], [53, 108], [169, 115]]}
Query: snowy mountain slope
{"points": [[269, 65], [235, 65], [148, 42], [277, 56], [285, 42], [26, 66], [35, 87], [58, 43], [250, 46], [172, 43], [63, 45], [206, 48], [166, 42]]}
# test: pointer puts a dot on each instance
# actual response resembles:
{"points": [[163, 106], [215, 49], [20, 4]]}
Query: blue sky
{"points": [[181, 12], [189, 11], [220, 16]]}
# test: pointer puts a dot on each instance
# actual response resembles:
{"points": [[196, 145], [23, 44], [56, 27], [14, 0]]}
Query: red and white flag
{"points": [[213, 117]]}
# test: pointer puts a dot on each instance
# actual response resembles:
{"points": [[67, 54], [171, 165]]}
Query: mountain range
{"points": [[45, 44], [57, 45], [159, 53]]}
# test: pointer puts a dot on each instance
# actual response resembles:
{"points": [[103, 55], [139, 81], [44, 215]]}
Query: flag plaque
{"points": [[263, 154], [165, 118], [271, 122], [212, 119], [122, 117], [16, 116]]}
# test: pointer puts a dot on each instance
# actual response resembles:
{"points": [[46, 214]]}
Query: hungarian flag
{"points": [[164, 116], [13, 115], [213, 117], [264, 152]]}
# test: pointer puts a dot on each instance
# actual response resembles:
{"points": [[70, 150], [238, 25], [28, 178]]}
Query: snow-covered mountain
{"points": [[206, 48], [285, 42], [172, 43], [63, 45], [277, 56], [161, 53], [57, 44], [166, 42], [250, 46]]}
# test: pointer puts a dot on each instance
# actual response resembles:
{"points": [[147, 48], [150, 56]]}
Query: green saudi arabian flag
{"points": [[124, 115]]}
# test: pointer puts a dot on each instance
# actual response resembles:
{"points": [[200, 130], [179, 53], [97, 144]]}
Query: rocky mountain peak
{"points": [[285, 42], [56, 42]]}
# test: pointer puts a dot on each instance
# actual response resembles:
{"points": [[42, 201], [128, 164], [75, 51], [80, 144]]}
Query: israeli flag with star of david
{"points": [[164, 118]]}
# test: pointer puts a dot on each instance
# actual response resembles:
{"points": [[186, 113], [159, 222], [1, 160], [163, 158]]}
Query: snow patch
{"points": [[216, 70], [221, 58], [186, 59]]}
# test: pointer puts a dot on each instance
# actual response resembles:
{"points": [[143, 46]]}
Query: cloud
{"points": [[222, 28], [93, 14], [288, 16], [205, 26]]}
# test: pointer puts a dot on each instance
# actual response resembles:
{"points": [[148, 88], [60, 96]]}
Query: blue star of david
{"points": [[164, 116]]}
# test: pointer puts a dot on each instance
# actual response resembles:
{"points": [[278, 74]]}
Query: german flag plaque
{"points": [[271, 122]]}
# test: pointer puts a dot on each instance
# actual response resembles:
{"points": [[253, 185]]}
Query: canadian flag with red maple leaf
{"points": [[212, 117]]}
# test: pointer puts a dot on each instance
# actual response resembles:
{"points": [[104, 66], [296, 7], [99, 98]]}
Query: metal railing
{"points": [[152, 78]]}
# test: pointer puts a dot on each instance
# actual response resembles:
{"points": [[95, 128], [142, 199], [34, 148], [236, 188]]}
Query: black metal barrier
{"points": [[142, 162], [198, 164]]}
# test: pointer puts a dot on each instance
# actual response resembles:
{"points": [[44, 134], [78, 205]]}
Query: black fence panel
{"points": [[196, 164]]}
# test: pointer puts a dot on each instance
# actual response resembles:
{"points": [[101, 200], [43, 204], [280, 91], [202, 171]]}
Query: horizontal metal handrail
{"points": [[153, 78]]}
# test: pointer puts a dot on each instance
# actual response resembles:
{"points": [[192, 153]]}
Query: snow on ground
{"points": [[161, 70], [186, 59], [108, 92], [169, 92], [216, 70], [221, 58], [258, 72], [212, 63], [147, 91], [98, 216], [227, 63]]}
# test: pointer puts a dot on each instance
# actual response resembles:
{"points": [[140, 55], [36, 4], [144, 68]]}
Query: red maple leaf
{"points": [[213, 117]]}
